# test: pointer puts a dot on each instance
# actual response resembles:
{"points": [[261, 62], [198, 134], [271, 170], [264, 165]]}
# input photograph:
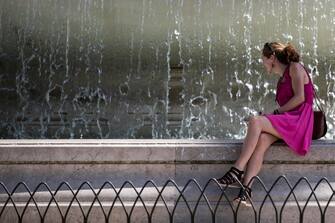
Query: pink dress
{"points": [[294, 126]]}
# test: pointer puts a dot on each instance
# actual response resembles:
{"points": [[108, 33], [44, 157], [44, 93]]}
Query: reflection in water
{"points": [[151, 69]]}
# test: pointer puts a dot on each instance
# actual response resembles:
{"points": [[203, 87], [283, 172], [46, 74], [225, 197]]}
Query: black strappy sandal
{"points": [[232, 178], [244, 196]]}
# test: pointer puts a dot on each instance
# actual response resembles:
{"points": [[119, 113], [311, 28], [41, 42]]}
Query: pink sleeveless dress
{"points": [[294, 126]]}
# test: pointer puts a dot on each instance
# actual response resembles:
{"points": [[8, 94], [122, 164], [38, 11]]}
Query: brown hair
{"points": [[284, 53]]}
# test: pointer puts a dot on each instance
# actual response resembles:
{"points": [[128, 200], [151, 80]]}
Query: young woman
{"points": [[291, 122]]}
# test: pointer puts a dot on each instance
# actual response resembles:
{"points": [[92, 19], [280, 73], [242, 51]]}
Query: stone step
{"points": [[169, 193]]}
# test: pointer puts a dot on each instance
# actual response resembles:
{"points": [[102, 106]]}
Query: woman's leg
{"points": [[255, 163], [256, 126]]}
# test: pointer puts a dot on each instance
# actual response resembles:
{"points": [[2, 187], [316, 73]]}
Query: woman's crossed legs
{"points": [[260, 135]]}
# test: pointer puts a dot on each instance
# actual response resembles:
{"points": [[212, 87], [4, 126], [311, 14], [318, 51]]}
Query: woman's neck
{"points": [[280, 68]]}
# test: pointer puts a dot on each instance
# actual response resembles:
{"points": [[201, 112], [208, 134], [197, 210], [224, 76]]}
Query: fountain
{"points": [[143, 90], [169, 69]]}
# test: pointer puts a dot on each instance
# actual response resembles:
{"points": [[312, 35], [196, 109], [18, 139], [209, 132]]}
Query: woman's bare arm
{"points": [[297, 73]]}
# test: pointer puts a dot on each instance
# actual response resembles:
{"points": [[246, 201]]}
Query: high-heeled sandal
{"points": [[244, 196], [232, 178]]}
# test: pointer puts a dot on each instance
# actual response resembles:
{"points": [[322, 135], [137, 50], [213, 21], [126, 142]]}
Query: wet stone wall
{"points": [[152, 69]]}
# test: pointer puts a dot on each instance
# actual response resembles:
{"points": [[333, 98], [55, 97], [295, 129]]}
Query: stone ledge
{"points": [[133, 151]]}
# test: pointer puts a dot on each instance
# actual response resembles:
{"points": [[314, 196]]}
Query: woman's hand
{"points": [[276, 112], [248, 118]]}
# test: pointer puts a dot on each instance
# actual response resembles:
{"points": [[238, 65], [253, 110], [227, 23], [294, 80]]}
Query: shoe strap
{"points": [[247, 190], [238, 173]]}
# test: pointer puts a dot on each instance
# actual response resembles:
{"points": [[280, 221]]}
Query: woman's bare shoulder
{"points": [[298, 73], [295, 68]]}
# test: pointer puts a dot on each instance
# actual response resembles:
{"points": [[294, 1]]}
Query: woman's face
{"points": [[268, 63]]}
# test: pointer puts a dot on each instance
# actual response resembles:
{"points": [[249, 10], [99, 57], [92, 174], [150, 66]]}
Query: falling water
{"points": [[152, 69]]}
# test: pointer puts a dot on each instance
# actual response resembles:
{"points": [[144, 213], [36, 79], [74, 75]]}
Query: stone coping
{"points": [[150, 151], [116, 141], [137, 141]]}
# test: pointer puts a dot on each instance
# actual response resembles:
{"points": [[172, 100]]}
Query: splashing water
{"points": [[152, 69]]}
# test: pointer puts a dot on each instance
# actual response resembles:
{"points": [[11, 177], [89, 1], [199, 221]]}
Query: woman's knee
{"points": [[264, 141], [255, 121]]}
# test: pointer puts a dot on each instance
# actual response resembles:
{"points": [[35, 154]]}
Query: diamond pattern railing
{"points": [[170, 202]]}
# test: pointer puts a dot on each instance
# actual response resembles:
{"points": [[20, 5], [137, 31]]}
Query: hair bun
{"points": [[291, 53]]}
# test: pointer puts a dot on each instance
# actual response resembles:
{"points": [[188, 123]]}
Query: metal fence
{"points": [[282, 201]]}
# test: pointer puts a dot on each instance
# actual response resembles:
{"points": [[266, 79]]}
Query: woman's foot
{"points": [[244, 196], [232, 178]]}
